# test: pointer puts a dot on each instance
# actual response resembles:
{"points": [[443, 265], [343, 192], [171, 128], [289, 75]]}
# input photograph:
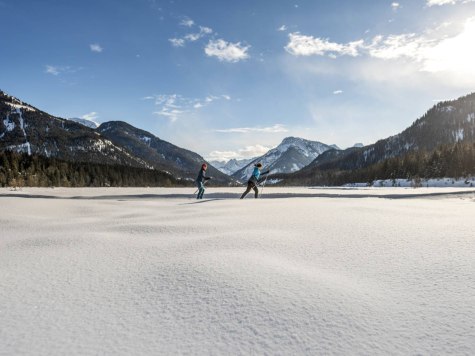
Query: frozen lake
{"points": [[300, 271]]}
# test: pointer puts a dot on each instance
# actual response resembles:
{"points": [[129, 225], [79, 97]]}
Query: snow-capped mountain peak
{"points": [[85, 122], [291, 155], [231, 166]]}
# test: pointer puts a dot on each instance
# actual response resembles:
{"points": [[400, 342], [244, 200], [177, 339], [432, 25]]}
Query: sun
{"points": [[455, 54]]}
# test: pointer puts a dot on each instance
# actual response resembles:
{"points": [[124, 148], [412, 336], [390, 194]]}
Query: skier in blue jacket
{"points": [[254, 180], [200, 181]]}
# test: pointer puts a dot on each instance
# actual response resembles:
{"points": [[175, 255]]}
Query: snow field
{"points": [[139, 274]]}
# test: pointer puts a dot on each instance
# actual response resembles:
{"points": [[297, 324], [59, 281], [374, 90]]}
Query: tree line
{"points": [[453, 161], [20, 169]]}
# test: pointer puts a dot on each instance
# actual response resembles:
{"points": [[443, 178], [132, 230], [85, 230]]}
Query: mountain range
{"points": [[24, 128], [446, 123], [291, 155], [232, 165]]}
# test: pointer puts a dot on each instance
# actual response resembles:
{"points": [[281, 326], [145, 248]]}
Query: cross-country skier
{"points": [[200, 180], [254, 180]]}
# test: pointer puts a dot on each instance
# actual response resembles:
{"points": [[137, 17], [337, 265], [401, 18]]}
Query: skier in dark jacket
{"points": [[254, 180], [200, 180]]}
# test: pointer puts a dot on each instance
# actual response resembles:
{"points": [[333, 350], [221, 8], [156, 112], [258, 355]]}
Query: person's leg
{"points": [[256, 191], [248, 189], [200, 193]]}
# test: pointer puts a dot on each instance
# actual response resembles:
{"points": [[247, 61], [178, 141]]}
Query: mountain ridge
{"points": [[291, 155], [447, 122], [24, 128]]}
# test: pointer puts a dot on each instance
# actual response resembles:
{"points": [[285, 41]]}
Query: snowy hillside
{"points": [[158, 153], [446, 123], [150, 272], [290, 156], [26, 129]]}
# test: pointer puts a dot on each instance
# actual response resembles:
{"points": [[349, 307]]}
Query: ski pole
{"points": [[196, 191], [263, 185]]}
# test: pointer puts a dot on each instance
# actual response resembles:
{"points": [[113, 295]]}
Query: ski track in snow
{"points": [[139, 274]]}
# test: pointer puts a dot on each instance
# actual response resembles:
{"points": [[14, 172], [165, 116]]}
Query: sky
{"points": [[231, 79]]}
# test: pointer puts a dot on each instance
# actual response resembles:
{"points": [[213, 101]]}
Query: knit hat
{"points": [[204, 166], [258, 165]]}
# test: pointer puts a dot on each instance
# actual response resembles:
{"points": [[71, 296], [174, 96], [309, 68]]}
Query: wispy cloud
{"points": [[227, 51], [174, 106], [282, 28], [187, 22], [58, 70], [271, 129], [95, 47], [177, 42], [395, 6], [92, 116], [302, 45], [435, 50], [206, 30], [52, 70], [192, 36], [246, 152], [338, 92], [446, 2]]}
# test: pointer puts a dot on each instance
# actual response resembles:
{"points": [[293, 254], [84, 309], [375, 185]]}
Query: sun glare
{"points": [[455, 54]]}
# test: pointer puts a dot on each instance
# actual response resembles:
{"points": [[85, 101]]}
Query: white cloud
{"points": [[206, 30], [57, 70], [398, 46], [337, 92], [246, 152], [95, 47], [174, 106], [446, 48], [187, 22], [172, 114], [282, 28], [395, 6], [92, 116], [226, 51], [191, 37], [446, 2], [271, 129], [177, 42], [52, 70], [302, 45]]}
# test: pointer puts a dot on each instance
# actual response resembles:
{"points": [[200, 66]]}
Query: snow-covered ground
{"points": [[434, 182], [366, 271]]}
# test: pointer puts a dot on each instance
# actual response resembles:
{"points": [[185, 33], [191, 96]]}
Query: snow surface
{"points": [[9, 124], [366, 271], [146, 139], [433, 182], [19, 106]]}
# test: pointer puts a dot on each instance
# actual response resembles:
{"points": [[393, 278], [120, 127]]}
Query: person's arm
{"points": [[266, 172], [207, 178]]}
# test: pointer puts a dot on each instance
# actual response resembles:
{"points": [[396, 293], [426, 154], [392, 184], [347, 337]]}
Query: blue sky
{"points": [[231, 79]]}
